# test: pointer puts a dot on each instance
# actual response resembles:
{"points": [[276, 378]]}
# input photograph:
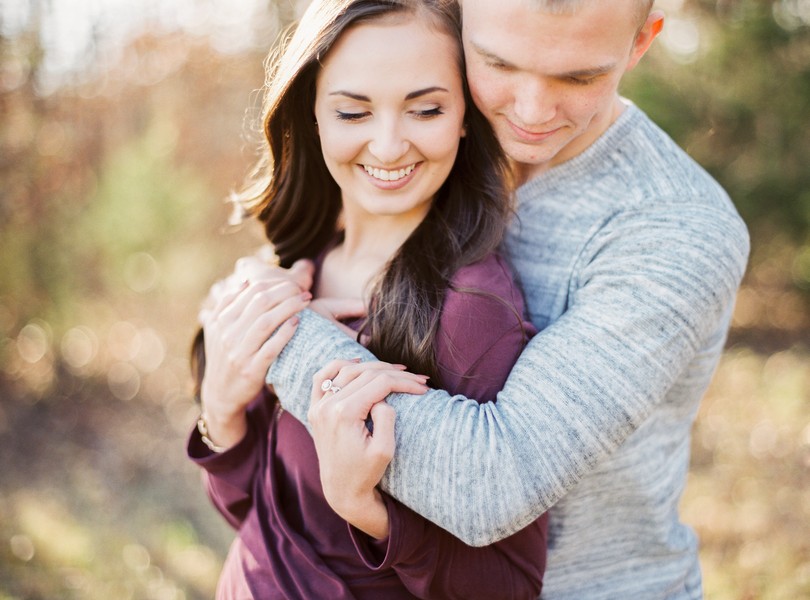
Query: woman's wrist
{"points": [[223, 429], [369, 514], [220, 436]]}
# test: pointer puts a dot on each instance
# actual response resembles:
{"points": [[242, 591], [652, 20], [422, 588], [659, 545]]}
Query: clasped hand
{"points": [[353, 459], [247, 320]]}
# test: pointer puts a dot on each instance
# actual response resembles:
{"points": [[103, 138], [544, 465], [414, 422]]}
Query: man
{"points": [[630, 256]]}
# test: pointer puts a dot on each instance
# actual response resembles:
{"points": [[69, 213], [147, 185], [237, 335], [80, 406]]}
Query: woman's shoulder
{"points": [[482, 330], [487, 281]]}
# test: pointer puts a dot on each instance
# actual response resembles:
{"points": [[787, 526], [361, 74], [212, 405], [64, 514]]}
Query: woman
{"points": [[382, 171]]}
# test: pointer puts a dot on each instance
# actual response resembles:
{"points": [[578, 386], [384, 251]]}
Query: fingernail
{"points": [[356, 360], [294, 321], [306, 296]]}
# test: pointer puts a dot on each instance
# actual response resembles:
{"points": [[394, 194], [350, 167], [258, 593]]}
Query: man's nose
{"points": [[535, 104]]}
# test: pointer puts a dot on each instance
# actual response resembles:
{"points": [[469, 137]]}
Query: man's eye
{"points": [[498, 66], [581, 80]]}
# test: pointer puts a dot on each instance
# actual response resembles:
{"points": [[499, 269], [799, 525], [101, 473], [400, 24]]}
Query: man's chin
{"points": [[537, 155]]}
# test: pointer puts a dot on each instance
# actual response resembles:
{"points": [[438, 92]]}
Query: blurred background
{"points": [[123, 128]]}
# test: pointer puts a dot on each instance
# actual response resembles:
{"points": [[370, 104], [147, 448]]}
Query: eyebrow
{"points": [[590, 72], [409, 96]]}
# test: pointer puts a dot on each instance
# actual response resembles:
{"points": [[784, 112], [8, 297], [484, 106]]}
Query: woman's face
{"points": [[390, 110]]}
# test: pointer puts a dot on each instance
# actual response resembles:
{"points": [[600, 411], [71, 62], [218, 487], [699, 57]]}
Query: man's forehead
{"points": [[546, 43], [639, 8]]}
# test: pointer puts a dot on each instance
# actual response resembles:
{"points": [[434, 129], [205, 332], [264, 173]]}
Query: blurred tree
{"points": [[740, 104]]}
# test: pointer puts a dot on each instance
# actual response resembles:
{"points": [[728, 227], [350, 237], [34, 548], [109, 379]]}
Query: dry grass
{"points": [[748, 494]]}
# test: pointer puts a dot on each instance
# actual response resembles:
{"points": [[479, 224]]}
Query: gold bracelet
{"points": [[202, 427]]}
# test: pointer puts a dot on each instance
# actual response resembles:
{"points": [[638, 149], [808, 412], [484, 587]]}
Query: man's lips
{"points": [[532, 136]]}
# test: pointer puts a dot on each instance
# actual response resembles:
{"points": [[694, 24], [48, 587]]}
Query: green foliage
{"points": [[144, 202]]}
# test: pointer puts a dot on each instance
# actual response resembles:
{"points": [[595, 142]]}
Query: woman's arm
{"points": [[228, 476], [239, 344]]}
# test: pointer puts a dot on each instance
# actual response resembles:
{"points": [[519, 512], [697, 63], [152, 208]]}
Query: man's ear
{"points": [[648, 32]]}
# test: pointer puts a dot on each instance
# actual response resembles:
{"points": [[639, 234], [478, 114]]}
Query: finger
{"points": [[260, 297], [259, 328], [329, 371], [226, 299], [252, 266], [275, 344], [256, 268], [354, 369], [358, 397]]}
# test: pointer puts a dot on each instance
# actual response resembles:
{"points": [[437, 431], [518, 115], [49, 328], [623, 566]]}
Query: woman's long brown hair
{"points": [[292, 193]]}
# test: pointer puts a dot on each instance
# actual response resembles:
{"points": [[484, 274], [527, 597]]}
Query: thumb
{"points": [[383, 416], [340, 308], [302, 272]]}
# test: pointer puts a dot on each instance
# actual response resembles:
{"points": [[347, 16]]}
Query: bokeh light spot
{"points": [[79, 347], [22, 547], [124, 381], [33, 342], [141, 272]]}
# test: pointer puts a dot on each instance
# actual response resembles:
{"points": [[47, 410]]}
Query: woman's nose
{"points": [[388, 144]]}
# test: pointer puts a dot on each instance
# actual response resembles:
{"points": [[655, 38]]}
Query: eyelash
{"points": [[498, 66], [344, 116], [419, 114], [429, 113]]}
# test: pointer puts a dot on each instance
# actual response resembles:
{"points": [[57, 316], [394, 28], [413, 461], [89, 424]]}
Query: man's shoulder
{"points": [[633, 165], [648, 159]]}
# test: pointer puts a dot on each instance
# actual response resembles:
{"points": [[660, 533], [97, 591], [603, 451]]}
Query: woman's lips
{"points": [[390, 179]]}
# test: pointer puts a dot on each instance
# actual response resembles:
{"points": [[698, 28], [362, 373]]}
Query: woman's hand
{"points": [[352, 459], [240, 345], [260, 266]]}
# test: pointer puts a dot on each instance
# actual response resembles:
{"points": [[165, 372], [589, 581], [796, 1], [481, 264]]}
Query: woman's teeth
{"points": [[385, 175]]}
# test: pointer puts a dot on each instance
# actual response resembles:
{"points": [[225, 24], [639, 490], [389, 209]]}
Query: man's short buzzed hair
{"points": [[643, 7]]}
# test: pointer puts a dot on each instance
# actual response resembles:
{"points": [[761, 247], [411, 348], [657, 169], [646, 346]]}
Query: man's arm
{"points": [[652, 291]]}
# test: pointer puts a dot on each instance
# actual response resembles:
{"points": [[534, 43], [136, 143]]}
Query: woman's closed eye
{"points": [[428, 113], [350, 116]]}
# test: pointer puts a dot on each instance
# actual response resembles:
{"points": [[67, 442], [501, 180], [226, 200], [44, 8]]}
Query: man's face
{"points": [[548, 83]]}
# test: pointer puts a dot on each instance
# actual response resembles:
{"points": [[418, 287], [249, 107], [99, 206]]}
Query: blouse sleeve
{"points": [[229, 476], [482, 332]]}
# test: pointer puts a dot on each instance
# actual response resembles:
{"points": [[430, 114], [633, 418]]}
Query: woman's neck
{"points": [[369, 243]]}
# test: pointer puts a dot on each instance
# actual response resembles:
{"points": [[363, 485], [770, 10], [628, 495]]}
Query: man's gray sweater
{"points": [[630, 257]]}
